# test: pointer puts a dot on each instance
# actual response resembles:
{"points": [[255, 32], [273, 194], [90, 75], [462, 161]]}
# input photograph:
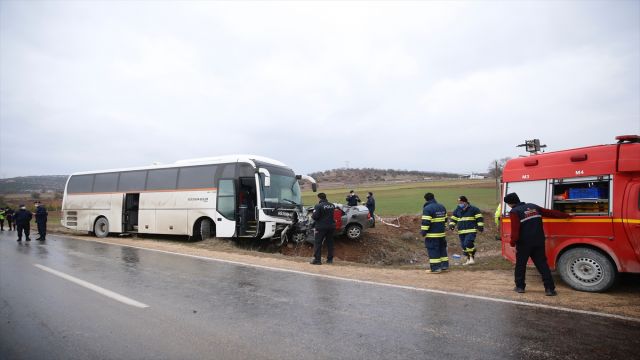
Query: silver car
{"points": [[350, 221]]}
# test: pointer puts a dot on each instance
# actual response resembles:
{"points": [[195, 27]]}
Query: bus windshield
{"points": [[284, 190]]}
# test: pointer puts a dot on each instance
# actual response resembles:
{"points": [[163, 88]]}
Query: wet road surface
{"points": [[196, 308]]}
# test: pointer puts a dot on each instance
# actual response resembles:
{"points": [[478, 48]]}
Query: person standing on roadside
{"points": [[325, 226], [527, 235], [23, 222], [41, 220], [352, 199], [9, 214], [371, 205], [434, 217], [469, 220], [2, 215]]}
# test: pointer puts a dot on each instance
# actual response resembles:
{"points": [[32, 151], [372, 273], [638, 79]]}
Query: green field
{"points": [[407, 199]]}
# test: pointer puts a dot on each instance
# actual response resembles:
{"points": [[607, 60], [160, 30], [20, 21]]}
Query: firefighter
{"points": [[496, 218], [434, 217], [23, 222], [324, 228], [527, 235], [469, 220], [352, 199], [41, 220]]}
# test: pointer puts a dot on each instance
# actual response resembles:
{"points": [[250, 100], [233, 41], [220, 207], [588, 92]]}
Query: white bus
{"points": [[229, 196]]}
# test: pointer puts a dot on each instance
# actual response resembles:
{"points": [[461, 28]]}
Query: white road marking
{"points": [[96, 288], [433, 291]]}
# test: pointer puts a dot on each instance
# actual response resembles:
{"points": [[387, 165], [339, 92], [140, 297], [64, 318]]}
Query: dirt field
{"points": [[396, 256]]}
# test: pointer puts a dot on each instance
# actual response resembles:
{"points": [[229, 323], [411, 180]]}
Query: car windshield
{"points": [[284, 191]]}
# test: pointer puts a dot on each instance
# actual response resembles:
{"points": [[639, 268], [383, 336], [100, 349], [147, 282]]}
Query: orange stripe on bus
{"points": [[141, 191]]}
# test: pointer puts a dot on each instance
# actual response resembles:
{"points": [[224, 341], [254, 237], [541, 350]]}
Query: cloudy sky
{"points": [[434, 85]]}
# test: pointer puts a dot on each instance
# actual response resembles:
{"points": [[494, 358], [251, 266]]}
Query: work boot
{"points": [[550, 292], [438, 271], [519, 290]]}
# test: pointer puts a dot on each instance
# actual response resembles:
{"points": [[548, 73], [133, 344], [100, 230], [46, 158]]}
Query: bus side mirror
{"points": [[267, 176], [314, 184]]}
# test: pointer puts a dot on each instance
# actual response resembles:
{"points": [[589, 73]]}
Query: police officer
{"points": [[371, 205], [434, 217], [325, 226], [23, 221], [469, 220], [2, 215], [9, 214], [352, 199], [527, 235], [41, 220]]}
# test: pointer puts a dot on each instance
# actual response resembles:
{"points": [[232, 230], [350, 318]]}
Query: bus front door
{"points": [[247, 224], [130, 212]]}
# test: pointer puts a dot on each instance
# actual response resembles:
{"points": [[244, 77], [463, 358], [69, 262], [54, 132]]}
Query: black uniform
{"points": [[41, 220], [527, 235], [352, 200], [23, 219], [371, 205], [325, 226], [9, 215]]}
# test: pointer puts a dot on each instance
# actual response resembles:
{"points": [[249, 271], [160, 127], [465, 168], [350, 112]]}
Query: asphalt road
{"points": [[152, 305]]}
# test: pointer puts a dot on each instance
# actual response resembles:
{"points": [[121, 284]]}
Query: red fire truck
{"points": [[600, 186]]}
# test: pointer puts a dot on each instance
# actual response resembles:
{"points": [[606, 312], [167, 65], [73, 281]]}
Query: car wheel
{"points": [[353, 231], [101, 227], [586, 270], [299, 237]]}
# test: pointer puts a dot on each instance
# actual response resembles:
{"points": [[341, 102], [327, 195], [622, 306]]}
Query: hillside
{"points": [[29, 184], [346, 177]]}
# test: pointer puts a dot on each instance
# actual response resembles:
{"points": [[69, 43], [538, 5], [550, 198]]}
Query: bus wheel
{"points": [[586, 270], [353, 231], [101, 227], [202, 229]]}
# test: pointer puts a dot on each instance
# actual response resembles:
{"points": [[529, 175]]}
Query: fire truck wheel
{"points": [[101, 227], [586, 270], [353, 231]]}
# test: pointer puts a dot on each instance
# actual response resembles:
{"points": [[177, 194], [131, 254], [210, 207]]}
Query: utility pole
{"points": [[497, 182]]}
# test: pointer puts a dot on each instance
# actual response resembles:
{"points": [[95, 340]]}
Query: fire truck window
{"points": [[587, 198], [528, 191]]}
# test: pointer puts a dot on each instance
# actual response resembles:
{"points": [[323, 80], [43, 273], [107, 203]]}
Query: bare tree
{"points": [[495, 168]]}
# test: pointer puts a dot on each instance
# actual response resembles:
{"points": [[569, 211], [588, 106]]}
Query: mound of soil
{"points": [[398, 243]]}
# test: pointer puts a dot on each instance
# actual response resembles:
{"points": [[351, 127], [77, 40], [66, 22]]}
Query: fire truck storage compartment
{"points": [[583, 196]]}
